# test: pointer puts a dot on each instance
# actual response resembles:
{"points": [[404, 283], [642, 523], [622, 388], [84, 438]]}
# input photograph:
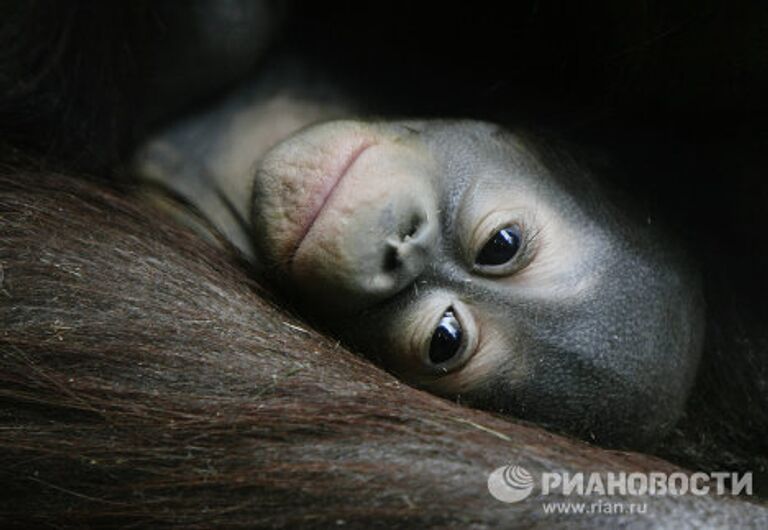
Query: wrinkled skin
{"points": [[593, 326]]}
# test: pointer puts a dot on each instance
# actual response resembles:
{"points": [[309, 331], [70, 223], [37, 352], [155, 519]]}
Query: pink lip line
{"points": [[344, 170]]}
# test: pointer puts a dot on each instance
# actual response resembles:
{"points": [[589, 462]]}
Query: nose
{"points": [[394, 253], [374, 250]]}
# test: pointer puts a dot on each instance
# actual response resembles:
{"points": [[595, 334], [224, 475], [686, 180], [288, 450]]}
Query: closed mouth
{"points": [[307, 228]]}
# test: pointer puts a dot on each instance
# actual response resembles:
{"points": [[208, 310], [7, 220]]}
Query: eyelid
{"points": [[422, 327], [485, 228]]}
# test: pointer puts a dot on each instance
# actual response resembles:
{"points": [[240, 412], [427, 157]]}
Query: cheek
{"points": [[567, 267]]}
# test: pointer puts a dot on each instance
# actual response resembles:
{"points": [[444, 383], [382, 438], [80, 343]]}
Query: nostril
{"points": [[397, 247], [391, 258]]}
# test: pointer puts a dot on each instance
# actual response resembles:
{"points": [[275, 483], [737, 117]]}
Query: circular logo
{"points": [[510, 483]]}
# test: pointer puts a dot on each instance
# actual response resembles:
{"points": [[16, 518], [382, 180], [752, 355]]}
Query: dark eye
{"points": [[501, 248], [447, 339]]}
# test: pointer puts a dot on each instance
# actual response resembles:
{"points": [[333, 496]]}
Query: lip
{"points": [[326, 187]]}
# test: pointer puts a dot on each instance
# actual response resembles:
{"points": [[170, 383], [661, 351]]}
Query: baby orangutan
{"points": [[472, 261]]}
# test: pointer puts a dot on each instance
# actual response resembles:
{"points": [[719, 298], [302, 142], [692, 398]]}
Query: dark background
{"points": [[671, 92]]}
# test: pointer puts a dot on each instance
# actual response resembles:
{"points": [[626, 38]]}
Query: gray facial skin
{"points": [[591, 326]]}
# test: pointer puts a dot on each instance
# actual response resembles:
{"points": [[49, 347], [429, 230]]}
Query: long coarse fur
{"points": [[144, 381]]}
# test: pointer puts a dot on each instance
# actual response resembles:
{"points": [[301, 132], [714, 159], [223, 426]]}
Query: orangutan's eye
{"points": [[447, 339], [501, 248]]}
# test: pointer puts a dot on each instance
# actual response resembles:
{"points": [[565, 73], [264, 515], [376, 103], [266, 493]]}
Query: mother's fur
{"points": [[146, 381]]}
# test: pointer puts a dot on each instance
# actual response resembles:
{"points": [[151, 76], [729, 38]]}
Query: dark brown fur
{"points": [[146, 382]]}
